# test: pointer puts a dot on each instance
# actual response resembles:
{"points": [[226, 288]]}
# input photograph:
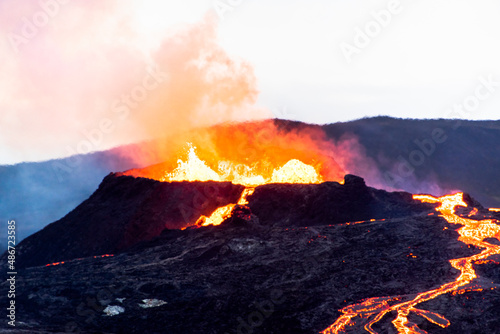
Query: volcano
{"points": [[289, 257], [40, 193]]}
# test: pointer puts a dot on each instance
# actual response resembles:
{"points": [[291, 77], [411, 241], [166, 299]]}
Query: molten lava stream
{"points": [[224, 212], [472, 232]]}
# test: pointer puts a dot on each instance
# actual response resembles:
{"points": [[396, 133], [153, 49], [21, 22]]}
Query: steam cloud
{"points": [[79, 77]]}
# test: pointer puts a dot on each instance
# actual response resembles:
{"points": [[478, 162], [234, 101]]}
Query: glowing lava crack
{"points": [[472, 232]]}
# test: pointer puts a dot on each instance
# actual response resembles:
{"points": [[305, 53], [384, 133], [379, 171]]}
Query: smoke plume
{"points": [[85, 76]]}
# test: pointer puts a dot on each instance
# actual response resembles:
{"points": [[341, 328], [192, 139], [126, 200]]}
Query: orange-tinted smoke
{"points": [[204, 85], [89, 64], [263, 146]]}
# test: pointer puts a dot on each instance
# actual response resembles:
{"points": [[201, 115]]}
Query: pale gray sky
{"points": [[315, 61]]}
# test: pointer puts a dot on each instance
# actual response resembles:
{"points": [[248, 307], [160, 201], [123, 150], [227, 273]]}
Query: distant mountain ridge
{"points": [[452, 154]]}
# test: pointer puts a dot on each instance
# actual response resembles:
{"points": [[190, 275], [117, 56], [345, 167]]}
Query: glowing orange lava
{"points": [[472, 232], [54, 264], [78, 259], [473, 212], [494, 210], [217, 217], [195, 169], [224, 212]]}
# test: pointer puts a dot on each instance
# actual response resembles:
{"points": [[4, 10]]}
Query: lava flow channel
{"points": [[224, 212], [472, 232]]}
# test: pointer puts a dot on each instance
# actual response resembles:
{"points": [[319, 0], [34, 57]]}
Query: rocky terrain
{"points": [[125, 211], [295, 256]]}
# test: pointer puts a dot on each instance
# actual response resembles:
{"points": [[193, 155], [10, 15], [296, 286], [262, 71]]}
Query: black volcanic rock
{"points": [[281, 264], [329, 202], [472, 202], [121, 213], [354, 181], [125, 211], [276, 280], [242, 216]]}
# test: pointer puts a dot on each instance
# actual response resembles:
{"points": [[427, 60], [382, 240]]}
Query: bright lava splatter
{"points": [[472, 232], [195, 169]]}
